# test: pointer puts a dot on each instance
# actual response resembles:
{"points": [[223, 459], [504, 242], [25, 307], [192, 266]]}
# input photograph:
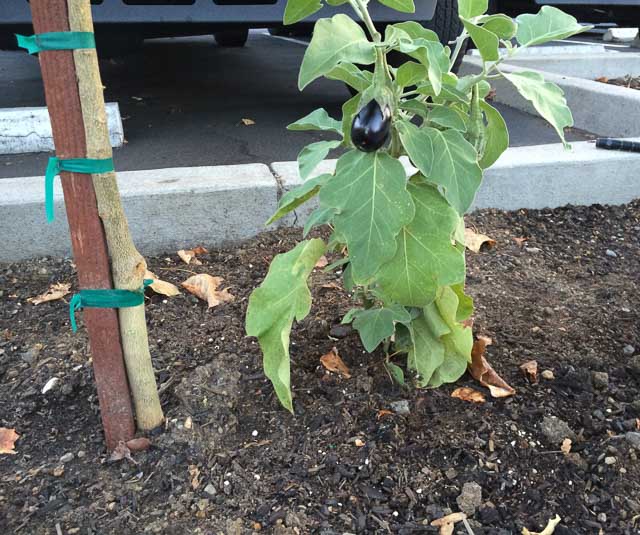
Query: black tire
{"points": [[447, 25], [296, 30], [234, 38]]}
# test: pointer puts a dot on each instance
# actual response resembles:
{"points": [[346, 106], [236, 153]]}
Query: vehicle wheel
{"points": [[447, 25], [296, 30], [236, 37]]}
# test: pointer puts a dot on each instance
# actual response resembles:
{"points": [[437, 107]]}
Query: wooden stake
{"points": [[87, 235]]}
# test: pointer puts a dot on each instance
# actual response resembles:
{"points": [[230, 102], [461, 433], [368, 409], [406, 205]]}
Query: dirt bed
{"points": [[627, 81], [351, 460]]}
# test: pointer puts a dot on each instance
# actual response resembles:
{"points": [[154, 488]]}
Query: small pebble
{"points": [[210, 490], [533, 250], [610, 460], [82, 454], [67, 457], [548, 375], [400, 407], [628, 350], [602, 517], [254, 433], [600, 380], [611, 254]]}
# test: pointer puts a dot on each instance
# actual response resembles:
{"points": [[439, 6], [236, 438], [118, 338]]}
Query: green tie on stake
{"points": [[105, 298], [56, 41], [74, 165]]}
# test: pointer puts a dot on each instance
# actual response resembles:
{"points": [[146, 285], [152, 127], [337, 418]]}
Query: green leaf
{"points": [[412, 29], [320, 216], [425, 258], [416, 107], [335, 40], [432, 55], [426, 352], [369, 195], [404, 6], [501, 25], [317, 120], [351, 75], [376, 324], [465, 303], [486, 41], [447, 117], [447, 93], [282, 297], [549, 24], [295, 197], [349, 109], [547, 98], [337, 2], [298, 10], [410, 73], [313, 154], [497, 136], [396, 372], [444, 158], [472, 8]]}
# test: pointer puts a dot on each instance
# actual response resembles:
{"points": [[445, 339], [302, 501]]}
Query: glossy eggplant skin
{"points": [[371, 127]]}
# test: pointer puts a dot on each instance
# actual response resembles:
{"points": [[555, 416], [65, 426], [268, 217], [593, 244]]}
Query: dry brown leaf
{"points": [[566, 446], [602, 79], [188, 256], [194, 472], [58, 471], [548, 530], [8, 439], [384, 412], [446, 529], [477, 242], [161, 287], [56, 291], [247, 122], [530, 369], [468, 394], [138, 444], [322, 262], [121, 451], [359, 442], [331, 286], [205, 287], [482, 371], [449, 519], [332, 362]]}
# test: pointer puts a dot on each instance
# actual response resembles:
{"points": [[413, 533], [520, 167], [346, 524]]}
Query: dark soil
{"points": [[627, 81], [231, 461]]}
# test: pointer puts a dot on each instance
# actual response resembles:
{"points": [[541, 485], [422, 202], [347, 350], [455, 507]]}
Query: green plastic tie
{"points": [[56, 41], [73, 165], [105, 298]]}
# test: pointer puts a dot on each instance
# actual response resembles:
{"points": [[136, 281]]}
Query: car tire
{"points": [[232, 38], [448, 26]]}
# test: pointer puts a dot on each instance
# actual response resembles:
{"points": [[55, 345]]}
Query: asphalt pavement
{"points": [[183, 102]]}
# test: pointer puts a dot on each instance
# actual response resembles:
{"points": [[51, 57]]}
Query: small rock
{"points": [[67, 457], [400, 407], [600, 380], [635, 406], [633, 438], [628, 350], [611, 254], [210, 490], [602, 517], [598, 414], [556, 430], [533, 250], [548, 375], [82, 454], [451, 473], [470, 498], [202, 504], [340, 331], [58, 471], [610, 460]]}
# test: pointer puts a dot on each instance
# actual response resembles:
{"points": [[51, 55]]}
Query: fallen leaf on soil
{"points": [[8, 439], [520, 241], [331, 286], [205, 287], [194, 472], [56, 291], [548, 530], [602, 79], [468, 394], [332, 362], [188, 256], [482, 371], [566, 446], [138, 444], [359, 442], [58, 471], [322, 262], [383, 412], [449, 519], [121, 451], [477, 242], [247, 122], [530, 369], [161, 287]]}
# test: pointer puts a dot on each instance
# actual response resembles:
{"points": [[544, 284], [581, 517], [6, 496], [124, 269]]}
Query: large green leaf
{"points": [[349, 109], [447, 117], [410, 73], [549, 24], [547, 98], [472, 8], [425, 257], [335, 40], [320, 216], [298, 10], [313, 154], [432, 55], [444, 158], [282, 297], [295, 197], [372, 204], [486, 41], [501, 25], [426, 352], [351, 75], [376, 324], [497, 136], [405, 6], [317, 120]]}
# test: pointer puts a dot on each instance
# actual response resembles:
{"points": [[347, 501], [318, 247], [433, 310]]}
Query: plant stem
{"points": [[456, 51], [360, 7]]}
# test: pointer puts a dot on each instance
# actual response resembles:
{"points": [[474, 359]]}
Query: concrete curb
{"points": [[25, 130], [603, 109], [169, 209]]}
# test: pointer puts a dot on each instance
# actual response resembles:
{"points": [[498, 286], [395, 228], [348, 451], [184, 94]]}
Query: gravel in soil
{"points": [[561, 287]]}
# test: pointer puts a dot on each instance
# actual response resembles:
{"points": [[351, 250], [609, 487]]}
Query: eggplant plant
{"points": [[398, 222]]}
